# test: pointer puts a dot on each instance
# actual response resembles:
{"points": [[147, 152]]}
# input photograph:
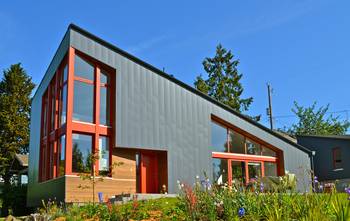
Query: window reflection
{"points": [[219, 171], [83, 104], [82, 153], [103, 155], [270, 169], [253, 147], [236, 142], [83, 68], [254, 170], [218, 138]]}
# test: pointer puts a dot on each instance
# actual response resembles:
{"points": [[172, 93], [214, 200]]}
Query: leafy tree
{"points": [[15, 91], [223, 82], [312, 121]]}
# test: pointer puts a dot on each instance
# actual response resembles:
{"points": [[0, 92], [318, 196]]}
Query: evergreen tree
{"points": [[223, 82], [312, 121], [15, 92]]}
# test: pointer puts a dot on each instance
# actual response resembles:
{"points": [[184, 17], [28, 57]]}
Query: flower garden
{"points": [[203, 201]]}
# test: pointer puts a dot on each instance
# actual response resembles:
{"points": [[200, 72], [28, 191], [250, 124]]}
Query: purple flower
{"points": [[261, 187], [347, 190], [206, 184], [241, 212]]}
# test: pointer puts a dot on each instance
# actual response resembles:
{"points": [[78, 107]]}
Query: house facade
{"points": [[331, 160], [147, 128]]}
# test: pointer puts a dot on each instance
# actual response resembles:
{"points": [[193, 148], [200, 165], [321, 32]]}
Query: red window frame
{"points": [[246, 157], [51, 128], [94, 129], [334, 155], [51, 131]]}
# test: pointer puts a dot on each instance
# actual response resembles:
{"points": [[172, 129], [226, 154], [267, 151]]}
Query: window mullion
{"points": [[97, 116]]}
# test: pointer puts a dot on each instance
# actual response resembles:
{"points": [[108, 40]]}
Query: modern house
{"points": [[331, 160], [96, 99]]}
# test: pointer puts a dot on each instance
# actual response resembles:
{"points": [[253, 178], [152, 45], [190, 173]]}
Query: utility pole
{"points": [[269, 109]]}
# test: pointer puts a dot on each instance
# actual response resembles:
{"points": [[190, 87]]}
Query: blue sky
{"points": [[301, 47]]}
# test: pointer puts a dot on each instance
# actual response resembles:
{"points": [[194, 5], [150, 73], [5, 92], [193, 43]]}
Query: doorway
{"points": [[153, 172]]}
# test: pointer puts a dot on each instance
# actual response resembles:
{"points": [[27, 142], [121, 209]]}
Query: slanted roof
{"points": [[342, 137], [182, 84], [22, 159]]}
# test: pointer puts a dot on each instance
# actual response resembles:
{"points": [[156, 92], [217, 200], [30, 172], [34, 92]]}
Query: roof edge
{"points": [[82, 31]]}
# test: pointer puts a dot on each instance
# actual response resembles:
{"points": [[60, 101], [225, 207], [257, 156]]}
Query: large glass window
{"points": [[83, 69], [218, 138], [104, 155], [82, 153], [83, 108], [237, 144], [220, 170]]}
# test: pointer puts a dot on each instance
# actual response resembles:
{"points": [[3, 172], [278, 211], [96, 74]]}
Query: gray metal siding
{"points": [[49, 189], [323, 160], [155, 113]]}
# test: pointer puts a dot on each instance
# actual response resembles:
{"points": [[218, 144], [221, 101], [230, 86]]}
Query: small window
{"points": [[103, 155], [265, 151], [82, 153], [270, 169], [105, 106], [337, 160], [253, 147], [62, 155]]}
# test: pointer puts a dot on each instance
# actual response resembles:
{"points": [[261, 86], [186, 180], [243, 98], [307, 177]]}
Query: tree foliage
{"points": [[223, 82], [313, 121], [15, 92]]}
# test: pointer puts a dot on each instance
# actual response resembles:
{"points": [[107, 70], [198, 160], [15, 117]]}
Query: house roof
{"points": [[182, 84], [342, 137], [22, 159]]}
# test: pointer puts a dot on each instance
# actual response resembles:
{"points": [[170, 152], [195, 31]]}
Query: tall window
{"points": [[53, 117], [337, 159], [105, 88], [81, 90], [92, 104]]}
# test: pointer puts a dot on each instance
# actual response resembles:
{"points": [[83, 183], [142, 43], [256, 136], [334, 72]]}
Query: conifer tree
{"points": [[223, 82], [15, 101]]}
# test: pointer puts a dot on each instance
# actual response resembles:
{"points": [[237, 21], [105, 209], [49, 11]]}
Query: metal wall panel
{"points": [[35, 189], [155, 113]]}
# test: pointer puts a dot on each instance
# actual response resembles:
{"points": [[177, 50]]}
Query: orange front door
{"points": [[149, 173]]}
